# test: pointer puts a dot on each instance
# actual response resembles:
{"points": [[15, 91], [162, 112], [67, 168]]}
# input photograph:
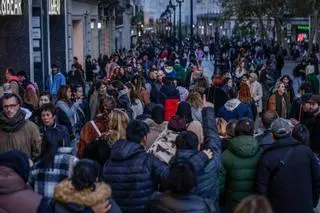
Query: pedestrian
{"points": [[234, 108], [264, 137], [15, 131], [55, 81], [279, 101], [239, 162], [15, 195], [256, 91], [52, 166], [83, 192], [286, 163], [133, 170], [179, 198]]}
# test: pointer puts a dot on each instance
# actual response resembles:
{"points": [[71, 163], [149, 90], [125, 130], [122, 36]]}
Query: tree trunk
{"points": [[314, 28], [263, 30]]}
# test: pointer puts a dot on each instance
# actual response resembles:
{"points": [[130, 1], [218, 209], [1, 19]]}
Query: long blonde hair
{"points": [[117, 125], [30, 97]]}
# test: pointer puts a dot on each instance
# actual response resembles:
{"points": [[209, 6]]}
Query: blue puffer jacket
{"points": [[133, 175], [207, 178]]}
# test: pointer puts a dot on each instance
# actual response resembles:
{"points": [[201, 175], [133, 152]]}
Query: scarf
{"points": [[12, 124], [282, 105]]}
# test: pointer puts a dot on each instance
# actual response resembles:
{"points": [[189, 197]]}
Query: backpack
{"points": [[170, 108], [164, 146]]}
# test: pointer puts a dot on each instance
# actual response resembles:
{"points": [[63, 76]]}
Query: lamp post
{"points": [[174, 17], [180, 30], [168, 12], [191, 27]]}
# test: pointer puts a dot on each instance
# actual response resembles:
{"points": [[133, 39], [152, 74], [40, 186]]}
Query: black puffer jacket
{"points": [[168, 203], [294, 187]]}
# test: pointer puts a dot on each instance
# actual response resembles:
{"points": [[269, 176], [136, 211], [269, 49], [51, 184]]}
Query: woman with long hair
{"points": [[44, 98], [93, 129], [135, 102], [279, 101], [245, 97], [67, 112], [287, 81], [53, 164], [98, 90], [100, 149]]}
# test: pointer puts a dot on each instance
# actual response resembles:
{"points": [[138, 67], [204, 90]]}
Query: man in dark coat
{"points": [[288, 173]]}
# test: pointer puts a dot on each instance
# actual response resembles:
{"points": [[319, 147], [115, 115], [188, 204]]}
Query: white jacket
{"points": [[257, 93]]}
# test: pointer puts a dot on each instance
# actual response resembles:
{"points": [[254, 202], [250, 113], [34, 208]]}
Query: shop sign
{"points": [[303, 27], [54, 7], [10, 7]]}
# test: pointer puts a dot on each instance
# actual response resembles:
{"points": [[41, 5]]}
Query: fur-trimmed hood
{"points": [[65, 193]]}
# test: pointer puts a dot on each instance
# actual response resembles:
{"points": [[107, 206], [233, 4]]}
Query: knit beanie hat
{"points": [[18, 161]]}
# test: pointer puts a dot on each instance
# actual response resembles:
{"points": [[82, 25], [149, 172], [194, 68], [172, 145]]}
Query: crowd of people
{"points": [[145, 131]]}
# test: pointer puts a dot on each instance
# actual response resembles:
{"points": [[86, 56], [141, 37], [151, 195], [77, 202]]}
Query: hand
{"points": [[101, 208], [294, 121], [208, 152], [204, 101]]}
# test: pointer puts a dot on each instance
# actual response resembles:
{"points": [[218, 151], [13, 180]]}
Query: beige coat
{"points": [[26, 139], [154, 131]]}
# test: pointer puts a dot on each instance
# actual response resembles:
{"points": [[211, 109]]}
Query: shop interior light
{"points": [[92, 25], [99, 25]]}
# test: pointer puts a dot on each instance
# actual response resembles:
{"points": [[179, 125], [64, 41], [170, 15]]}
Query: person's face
{"points": [[54, 70], [244, 79], [10, 107], [69, 94], [79, 93], [314, 106], [230, 83], [153, 75], [251, 79], [21, 78], [306, 107], [47, 118], [285, 81], [43, 100], [102, 89], [281, 89], [121, 71], [7, 75], [160, 76]]}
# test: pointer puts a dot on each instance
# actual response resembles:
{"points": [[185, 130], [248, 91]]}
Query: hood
{"points": [[124, 149], [232, 104], [169, 90], [10, 181], [244, 146], [65, 193], [183, 93], [27, 112]]}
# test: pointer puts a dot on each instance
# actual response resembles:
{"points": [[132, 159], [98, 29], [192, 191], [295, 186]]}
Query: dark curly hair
{"points": [[85, 174]]}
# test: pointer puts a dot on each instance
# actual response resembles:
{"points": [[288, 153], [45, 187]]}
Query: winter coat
{"points": [[188, 203], [168, 92], [54, 82], [235, 109], [15, 196], [256, 93], [154, 131], [43, 180], [265, 139], [217, 96], [314, 81], [88, 134], [68, 200], [314, 128], [207, 178], [283, 109], [137, 108], [237, 174], [196, 114], [26, 139], [180, 72], [293, 187], [70, 110], [133, 175]]}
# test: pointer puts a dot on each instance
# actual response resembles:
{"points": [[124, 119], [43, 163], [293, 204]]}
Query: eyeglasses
{"points": [[10, 106]]}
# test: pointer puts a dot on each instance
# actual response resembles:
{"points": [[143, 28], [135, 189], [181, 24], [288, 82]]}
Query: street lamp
{"points": [[168, 12], [180, 30], [191, 27], [174, 17]]}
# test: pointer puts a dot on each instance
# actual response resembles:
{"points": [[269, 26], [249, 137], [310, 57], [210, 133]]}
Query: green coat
{"points": [[180, 72], [237, 173], [313, 80]]}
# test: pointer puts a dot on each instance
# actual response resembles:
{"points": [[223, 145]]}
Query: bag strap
{"points": [[282, 163], [95, 128]]}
